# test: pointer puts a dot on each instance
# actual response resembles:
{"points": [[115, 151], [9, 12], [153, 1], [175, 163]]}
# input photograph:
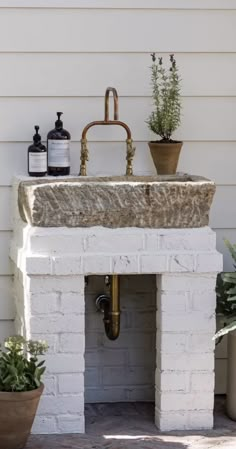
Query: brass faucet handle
{"points": [[129, 157], [84, 157]]}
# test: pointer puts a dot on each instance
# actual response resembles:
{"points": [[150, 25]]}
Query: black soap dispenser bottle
{"points": [[59, 149], [37, 156]]}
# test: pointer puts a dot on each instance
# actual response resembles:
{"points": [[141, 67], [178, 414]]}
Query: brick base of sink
{"points": [[50, 265]]}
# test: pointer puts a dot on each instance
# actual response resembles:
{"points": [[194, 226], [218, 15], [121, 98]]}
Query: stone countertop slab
{"points": [[167, 201]]}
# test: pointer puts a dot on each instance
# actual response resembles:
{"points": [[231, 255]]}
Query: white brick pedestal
{"points": [[50, 265]]}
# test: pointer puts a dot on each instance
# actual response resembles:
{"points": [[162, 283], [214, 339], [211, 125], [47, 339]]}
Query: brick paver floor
{"points": [[130, 426]]}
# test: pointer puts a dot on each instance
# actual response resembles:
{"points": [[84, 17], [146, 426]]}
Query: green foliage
{"points": [[166, 117], [226, 296], [20, 369]]}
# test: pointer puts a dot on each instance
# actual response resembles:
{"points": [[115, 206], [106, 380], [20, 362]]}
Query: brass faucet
{"points": [[130, 149]]}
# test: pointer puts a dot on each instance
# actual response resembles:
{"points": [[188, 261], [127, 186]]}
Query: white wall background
{"points": [[62, 54]]}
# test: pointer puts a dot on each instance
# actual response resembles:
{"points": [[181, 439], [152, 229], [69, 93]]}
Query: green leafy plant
{"points": [[20, 369], [166, 117], [226, 296]]}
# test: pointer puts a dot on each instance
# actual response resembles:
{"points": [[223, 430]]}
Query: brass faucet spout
{"points": [[115, 99], [130, 149]]}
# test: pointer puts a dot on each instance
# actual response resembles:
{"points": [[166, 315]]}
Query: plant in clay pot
{"points": [[226, 309], [166, 117], [20, 389]]}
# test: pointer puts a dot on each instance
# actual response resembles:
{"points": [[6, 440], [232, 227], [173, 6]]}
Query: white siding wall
{"points": [[62, 54]]}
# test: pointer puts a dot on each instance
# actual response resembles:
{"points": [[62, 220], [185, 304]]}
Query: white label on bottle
{"points": [[58, 153], [38, 162]]}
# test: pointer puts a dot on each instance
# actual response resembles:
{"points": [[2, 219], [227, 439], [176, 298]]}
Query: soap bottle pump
{"points": [[59, 149], [37, 156]]}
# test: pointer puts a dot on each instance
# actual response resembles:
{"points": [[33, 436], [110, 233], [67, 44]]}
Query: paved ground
{"points": [[130, 426]]}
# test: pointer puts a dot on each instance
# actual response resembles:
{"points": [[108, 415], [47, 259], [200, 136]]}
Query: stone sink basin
{"points": [[166, 201]]}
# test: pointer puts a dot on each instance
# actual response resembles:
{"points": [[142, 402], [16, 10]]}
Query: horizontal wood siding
{"points": [[62, 54], [117, 30]]}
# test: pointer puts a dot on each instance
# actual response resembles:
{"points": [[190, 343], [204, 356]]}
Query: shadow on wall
{"points": [[87, 442], [122, 370]]}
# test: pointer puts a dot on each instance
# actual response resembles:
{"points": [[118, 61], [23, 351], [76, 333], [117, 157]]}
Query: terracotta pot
{"points": [[165, 156], [231, 376], [17, 412]]}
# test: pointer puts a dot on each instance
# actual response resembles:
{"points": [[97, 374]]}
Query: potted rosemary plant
{"points": [[226, 308], [166, 117], [20, 389]]}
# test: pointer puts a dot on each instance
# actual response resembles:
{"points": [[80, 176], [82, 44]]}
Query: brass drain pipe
{"points": [[110, 307]]}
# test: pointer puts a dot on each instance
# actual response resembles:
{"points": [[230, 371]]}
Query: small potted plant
{"points": [[226, 308], [166, 117], [20, 389]]}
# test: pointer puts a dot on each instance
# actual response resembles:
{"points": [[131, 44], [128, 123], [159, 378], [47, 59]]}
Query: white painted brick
{"points": [[48, 284], [71, 383], [52, 341], [131, 366], [200, 420], [132, 375], [204, 300], [142, 357], [142, 394], [154, 263], [72, 303], [44, 425], [172, 381], [171, 401], [49, 385], [57, 243], [97, 264], [132, 339], [113, 242], [209, 262], [180, 263], [69, 265], [171, 343], [188, 282], [152, 242], [138, 301], [57, 323], [201, 343], [106, 357], [202, 362], [71, 342], [142, 320], [105, 394], [93, 377], [71, 424], [43, 303], [202, 381], [166, 421], [197, 240], [195, 322], [179, 420], [186, 362], [64, 363], [38, 265], [95, 322], [125, 264], [94, 339], [143, 284], [62, 404], [172, 303]]}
